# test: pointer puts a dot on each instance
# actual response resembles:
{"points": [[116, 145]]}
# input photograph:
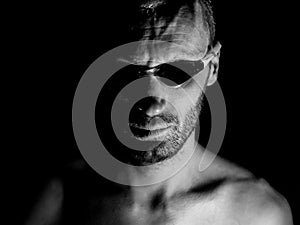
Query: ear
{"points": [[213, 70]]}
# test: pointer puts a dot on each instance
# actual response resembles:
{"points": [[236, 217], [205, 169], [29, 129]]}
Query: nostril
{"points": [[162, 101], [151, 103]]}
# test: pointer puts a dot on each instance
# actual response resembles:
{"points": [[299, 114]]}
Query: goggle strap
{"points": [[213, 53]]}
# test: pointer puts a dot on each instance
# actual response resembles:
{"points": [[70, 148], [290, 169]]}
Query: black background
{"points": [[50, 47]]}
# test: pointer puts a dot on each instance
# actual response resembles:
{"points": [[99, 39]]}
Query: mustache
{"points": [[168, 118], [165, 119]]}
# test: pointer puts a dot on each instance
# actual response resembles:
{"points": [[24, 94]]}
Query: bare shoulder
{"points": [[255, 201], [220, 167], [47, 208], [246, 198]]}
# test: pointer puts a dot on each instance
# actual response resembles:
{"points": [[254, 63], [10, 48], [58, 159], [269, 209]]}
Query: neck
{"points": [[167, 176]]}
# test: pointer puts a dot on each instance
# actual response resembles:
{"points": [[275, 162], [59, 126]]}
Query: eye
{"points": [[189, 67], [176, 73], [169, 82]]}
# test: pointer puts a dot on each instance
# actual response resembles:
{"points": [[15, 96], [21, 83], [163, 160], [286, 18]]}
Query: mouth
{"points": [[149, 134]]}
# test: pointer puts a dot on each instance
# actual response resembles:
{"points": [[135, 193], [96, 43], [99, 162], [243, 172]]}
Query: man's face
{"points": [[167, 113]]}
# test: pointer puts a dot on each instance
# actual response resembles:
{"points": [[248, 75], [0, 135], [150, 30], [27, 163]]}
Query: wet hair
{"points": [[208, 17], [147, 12]]}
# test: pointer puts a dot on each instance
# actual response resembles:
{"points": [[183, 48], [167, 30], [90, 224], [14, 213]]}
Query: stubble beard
{"points": [[175, 139]]}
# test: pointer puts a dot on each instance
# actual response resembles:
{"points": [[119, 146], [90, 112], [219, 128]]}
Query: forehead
{"points": [[169, 33]]}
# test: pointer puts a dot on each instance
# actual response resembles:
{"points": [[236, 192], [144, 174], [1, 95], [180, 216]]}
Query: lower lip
{"points": [[153, 135]]}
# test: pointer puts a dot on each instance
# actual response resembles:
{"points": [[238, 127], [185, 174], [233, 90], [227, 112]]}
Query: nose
{"points": [[156, 94], [146, 108], [149, 106]]}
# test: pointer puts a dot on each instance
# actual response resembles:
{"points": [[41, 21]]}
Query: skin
{"points": [[222, 194]]}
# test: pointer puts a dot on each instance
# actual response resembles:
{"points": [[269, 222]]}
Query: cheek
{"points": [[184, 99], [192, 90]]}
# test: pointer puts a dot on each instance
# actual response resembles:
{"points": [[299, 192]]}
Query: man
{"points": [[164, 122]]}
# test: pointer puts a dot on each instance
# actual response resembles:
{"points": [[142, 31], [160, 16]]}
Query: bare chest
{"points": [[181, 211]]}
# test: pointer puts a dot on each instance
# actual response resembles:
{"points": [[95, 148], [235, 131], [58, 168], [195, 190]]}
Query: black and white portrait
{"points": [[153, 112]]}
